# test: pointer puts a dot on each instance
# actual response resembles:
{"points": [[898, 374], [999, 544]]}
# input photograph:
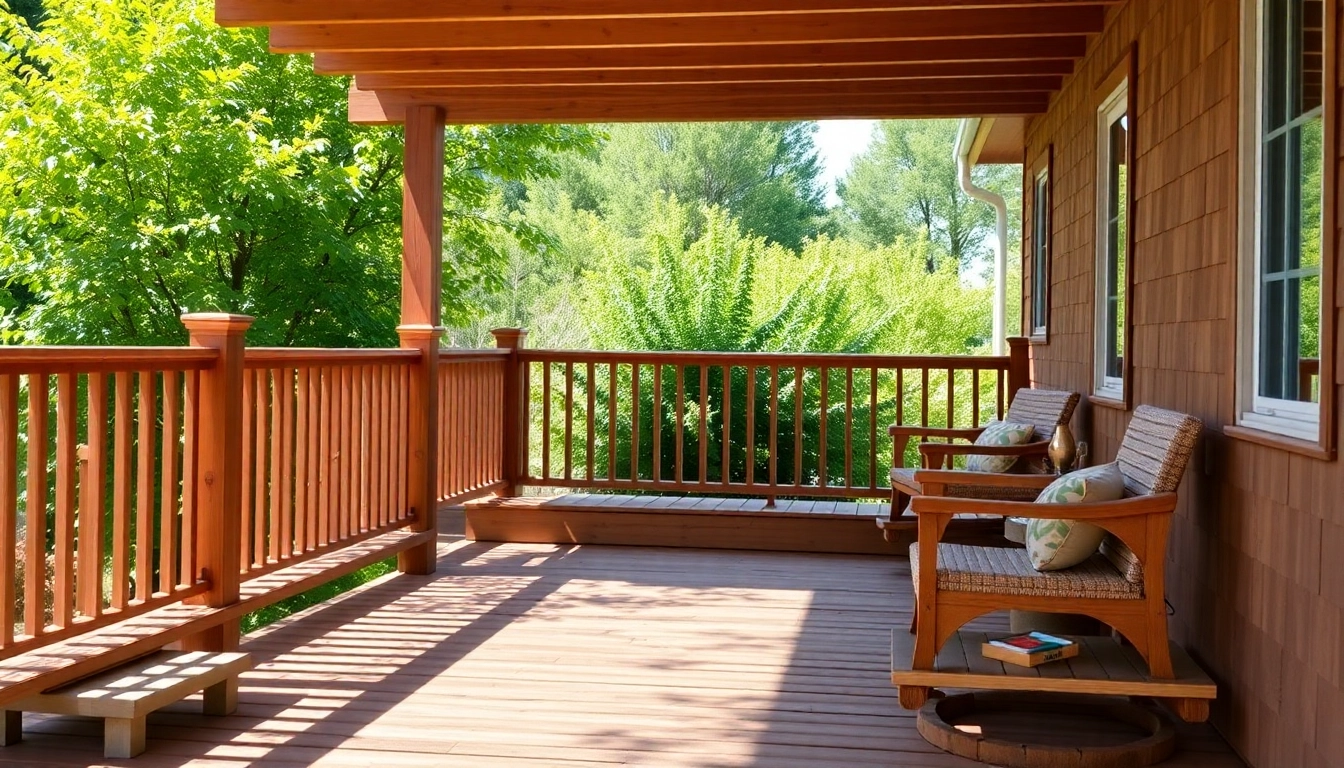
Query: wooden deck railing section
{"points": [[325, 451], [97, 487], [805, 425], [471, 423]]}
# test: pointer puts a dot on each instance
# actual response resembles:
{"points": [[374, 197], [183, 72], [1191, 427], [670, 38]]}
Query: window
{"points": [[1281, 265], [1040, 251], [1113, 242]]}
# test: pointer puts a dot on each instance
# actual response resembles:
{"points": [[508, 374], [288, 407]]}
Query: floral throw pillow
{"points": [[1054, 545], [1000, 433]]}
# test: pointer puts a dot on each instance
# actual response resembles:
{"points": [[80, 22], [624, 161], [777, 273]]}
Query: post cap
{"points": [[509, 338], [220, 322]]}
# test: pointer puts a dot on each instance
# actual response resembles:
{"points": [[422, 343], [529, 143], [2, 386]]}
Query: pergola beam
{"points": [[387, 107], [1059, 49], [1040, 85], [962, 24], [256, 13]]}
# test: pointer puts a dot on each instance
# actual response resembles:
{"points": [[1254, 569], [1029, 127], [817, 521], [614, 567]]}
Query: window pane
{"points": [[1117, 247], [1040, 225]]}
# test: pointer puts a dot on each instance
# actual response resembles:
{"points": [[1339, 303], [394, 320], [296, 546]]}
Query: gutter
{"points": [[962, 152]]}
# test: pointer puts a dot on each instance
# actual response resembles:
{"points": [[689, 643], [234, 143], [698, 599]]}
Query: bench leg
{"points": [[123, 737], [12, 730], [221, 698]]}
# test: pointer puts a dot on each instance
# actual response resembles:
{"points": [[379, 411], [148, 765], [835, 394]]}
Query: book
{"points": [[1029, 650]]}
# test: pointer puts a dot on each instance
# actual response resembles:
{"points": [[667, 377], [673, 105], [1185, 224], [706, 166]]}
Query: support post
{"points": [[421, 276], [512, 339], [219, 471], [1019, 365]]}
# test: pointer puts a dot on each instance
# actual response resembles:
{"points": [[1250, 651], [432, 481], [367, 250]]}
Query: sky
{"points": [[838, 141]]}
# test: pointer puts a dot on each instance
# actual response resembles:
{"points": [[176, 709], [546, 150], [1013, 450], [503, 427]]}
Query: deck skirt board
{"points": [[791, 525]]}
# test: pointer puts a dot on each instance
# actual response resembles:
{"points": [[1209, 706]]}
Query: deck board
{"points": [[537, 655]]}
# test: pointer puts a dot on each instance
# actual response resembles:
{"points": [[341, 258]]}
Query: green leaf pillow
{"points": [[1000, 433], [1054, 545]]}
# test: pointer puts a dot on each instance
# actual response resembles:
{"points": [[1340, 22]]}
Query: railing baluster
{"points": [[849, 427], [703, 434], [611, 420], [634, 421], [168, 508], [89, 601], [345, 515], [590, 417], [657, 440], [951, 397], [276, 485], [66, 414], [302, 402], [124, 411], [975, 397], [249, 448], [190, 460], [144, 492], [998, 389], [798, 425], [286, 543], [725, 450], [924, 397], [324, 463], [546, 420], [774, 427], [821, 436], [9, 498], [873, 471], [262, 436], [679, 414], [569, 420], [750, 442]]}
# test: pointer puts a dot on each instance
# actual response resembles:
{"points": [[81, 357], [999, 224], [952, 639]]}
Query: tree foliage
{"points": [[160, 164], [763, 174], [905, 186]]}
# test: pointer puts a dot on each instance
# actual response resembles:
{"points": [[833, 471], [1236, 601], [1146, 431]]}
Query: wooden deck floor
{"points": [[535, 655]]}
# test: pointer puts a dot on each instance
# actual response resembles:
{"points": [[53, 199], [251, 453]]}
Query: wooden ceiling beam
{"points": [[953, 75], [724, 30], [797, 87], [258, 13], [1060, 49], [387, 107]]}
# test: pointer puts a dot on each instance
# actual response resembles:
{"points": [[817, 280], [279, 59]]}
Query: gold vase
{"points": [[1062, 449]]}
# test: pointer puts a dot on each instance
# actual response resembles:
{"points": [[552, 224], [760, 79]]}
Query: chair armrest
{"points": [[943, 477], [1037, 448], [1135, 506]]}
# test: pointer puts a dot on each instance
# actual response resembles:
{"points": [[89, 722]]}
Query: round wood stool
{"points": [[1034, 730]]}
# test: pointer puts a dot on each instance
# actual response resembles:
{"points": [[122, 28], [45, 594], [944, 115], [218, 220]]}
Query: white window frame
{"points": [[1113, 107], [1290, 418], [1040, 242]]}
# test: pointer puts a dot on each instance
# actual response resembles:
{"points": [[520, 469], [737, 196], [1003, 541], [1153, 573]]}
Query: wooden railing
{"points": [[471, 423], [808, 425], [325, 450], [97, 494]]}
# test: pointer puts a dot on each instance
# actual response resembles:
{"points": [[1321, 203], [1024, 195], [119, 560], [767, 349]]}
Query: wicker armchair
{"points": [[1122, 585], [1042, 408]]}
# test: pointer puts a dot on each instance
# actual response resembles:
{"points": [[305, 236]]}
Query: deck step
{"points": [[797, 525], [1103, 666]]}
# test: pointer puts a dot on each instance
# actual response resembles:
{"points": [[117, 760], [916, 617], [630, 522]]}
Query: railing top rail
{"points": [[272, 357], [450, 355], [50, 360], [812, 359]]}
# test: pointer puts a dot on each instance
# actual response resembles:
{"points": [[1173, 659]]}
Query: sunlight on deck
{"points": [[543, 655]]}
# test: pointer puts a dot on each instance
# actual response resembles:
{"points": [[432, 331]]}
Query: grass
{"points": [[273, 613]]}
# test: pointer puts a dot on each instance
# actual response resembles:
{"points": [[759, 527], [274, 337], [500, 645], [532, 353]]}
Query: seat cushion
{"points": [[903, 480], [1008, 571]]}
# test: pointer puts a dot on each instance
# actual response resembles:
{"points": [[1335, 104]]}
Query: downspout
{"points": [[962, 152]]}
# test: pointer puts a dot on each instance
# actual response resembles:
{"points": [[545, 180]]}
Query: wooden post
{"points": [[512, 339], [421, 276], [218, 473], [1019, 365]]}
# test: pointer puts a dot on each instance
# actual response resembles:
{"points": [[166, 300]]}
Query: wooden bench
{"points": [[125, 696], [808, 525], [106, 647], [1103, 666]]}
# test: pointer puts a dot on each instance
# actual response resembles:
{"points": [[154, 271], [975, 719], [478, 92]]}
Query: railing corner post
{"points": [[219, 469], [1019, 365], [511, 339], [422, 474]]}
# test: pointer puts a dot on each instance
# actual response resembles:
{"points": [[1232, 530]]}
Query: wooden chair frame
{"points": [[1141, 522]]}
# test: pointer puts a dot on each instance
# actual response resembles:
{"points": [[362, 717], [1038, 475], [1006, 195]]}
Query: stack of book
{"points": [[1029, 650]]}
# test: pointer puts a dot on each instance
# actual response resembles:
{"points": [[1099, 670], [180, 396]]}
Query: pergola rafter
{"points": [[495, 61]]}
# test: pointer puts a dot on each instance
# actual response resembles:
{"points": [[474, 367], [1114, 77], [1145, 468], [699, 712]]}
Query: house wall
{"points": [[1256, 563]]}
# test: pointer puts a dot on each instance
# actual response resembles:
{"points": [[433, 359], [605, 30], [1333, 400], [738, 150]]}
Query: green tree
{"points": [[159, 164], [764, 174], [905, 186]]}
